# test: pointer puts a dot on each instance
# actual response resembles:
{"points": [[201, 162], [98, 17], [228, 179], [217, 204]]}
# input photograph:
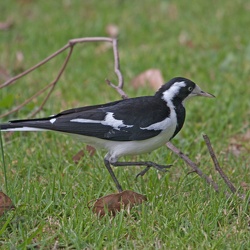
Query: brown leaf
{"points": [[236, 149], [172, 12], [112, 30], [76, 158], [151, 77], [113, 203], [19, 57], [91, 151], [6, 25], [185, 40], [5, 203], [240, 143], [245, 186], [4, 74]]}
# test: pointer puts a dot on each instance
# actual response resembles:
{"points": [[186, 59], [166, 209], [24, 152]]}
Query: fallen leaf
{"points": [[240, 143], [76, 158], [245, 186], [19, 57], [184, 39], [5, 203], [113, 203], [151, 77], [91, 151], [112, 30], [6, 25], [235, 148], [172, 11], [4, 74]]}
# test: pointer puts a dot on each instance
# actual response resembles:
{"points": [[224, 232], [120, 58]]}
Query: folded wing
{"points": [[124, 120]]}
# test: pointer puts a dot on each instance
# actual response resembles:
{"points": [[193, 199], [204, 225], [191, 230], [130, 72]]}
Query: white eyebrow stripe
{"points": [[109, 120]]}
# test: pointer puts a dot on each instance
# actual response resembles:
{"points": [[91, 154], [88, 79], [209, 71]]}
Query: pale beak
{"points": [[202, 93], [198, 92]]}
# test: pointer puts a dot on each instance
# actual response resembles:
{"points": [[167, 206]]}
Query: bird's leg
{"points": [[148, 165], [118, 186]]}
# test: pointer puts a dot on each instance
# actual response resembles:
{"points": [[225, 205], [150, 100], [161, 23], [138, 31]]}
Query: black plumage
{"points": [[124, 127]]}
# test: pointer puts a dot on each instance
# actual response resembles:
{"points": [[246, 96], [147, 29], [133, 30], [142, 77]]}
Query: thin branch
{"points": [[70, 45], [54, 82], [27, 101], [13, 79], [117, 64], [118, 89], [217, 165], [193, 166]]}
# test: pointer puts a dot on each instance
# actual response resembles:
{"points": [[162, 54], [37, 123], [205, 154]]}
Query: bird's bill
{"points": [[202, 93], [199, 92]]}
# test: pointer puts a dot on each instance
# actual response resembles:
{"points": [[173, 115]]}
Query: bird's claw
{"points": [[162, 168]]}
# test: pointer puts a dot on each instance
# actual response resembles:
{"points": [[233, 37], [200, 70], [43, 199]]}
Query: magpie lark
{"points": [[125, 127]]}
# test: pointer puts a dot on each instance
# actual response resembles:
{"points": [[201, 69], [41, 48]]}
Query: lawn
{"points": [[206, 41]]}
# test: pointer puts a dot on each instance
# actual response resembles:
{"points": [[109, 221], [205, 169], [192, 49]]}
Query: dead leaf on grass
{"points": [[113, 203], [245, 186], [185, 40], [5, 203], [172, 12], [6, 25], [89, 149], [112, 30], [151, 77], [19, 57], [4, 74], [240, 143]]}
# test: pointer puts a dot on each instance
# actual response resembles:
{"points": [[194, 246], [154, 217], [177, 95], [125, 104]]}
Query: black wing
{"points": [[134, 114]]}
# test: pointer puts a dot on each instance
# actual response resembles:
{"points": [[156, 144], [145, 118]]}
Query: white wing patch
{"points": [[52, 120], [162, 125], [81, 120], [109, 120]]}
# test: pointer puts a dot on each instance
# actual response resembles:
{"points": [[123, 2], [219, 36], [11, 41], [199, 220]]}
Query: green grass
{"points": [[207, 41]]}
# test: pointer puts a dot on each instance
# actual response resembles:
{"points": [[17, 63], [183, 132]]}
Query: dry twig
{"points": [[193, 166], [217, 165], [52, 85], [119, 89]]}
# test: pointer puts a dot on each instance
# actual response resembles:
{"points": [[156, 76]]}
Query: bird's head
{"points": [[180, 88]]}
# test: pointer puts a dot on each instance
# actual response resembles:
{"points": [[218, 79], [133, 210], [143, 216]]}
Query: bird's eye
{"points": [[190, 89]]}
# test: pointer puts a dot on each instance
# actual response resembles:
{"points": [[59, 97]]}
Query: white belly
{"points": [[116, 149]]}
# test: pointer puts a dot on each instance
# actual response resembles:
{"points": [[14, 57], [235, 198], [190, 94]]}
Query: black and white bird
{"points": [[125, 127]]}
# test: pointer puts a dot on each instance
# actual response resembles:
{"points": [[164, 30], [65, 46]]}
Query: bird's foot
{"points": [[162, 168], [148, 165]]}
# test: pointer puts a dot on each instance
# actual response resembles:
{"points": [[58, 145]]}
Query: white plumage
{"points": [[126, 127]]}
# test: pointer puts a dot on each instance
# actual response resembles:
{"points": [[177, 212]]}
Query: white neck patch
{"points": [[168, 95]]}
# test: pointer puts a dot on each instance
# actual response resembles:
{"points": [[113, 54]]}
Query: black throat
{"points": [[180, 115]]}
